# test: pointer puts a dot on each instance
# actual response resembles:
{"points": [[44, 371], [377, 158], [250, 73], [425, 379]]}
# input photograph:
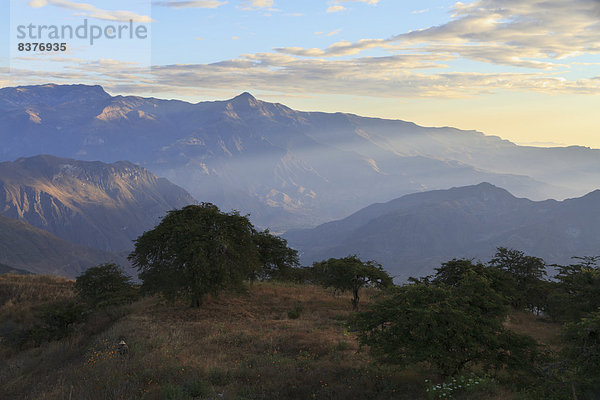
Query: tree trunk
{"points": [[355, 299], [196, 301]]}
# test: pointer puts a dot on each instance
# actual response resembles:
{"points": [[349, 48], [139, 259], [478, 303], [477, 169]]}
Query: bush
{"points": [[104, 285], [56, 321], [453, 328], [199, 389], [219, 377], [582, 352], [295, 312], [173, 392]]}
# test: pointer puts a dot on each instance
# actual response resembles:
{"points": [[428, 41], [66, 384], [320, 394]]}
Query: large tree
{"points": [[196, 251]]}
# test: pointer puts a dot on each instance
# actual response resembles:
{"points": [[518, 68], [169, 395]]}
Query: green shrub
{"points": [[104, 285], [341, 345], [199, 389], [295, 312], [173, 392], [219, 377], [56, 321]]}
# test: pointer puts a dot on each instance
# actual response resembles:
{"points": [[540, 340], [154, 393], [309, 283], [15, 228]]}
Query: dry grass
{"points": [[236, 346], [545, 332], [19, 294], [34, 288], [241, 346]]}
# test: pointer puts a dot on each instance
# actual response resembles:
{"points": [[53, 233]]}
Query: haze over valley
{"points": [[84, 166]]}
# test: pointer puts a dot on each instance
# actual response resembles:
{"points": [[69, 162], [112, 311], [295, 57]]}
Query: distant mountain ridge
{"points": [[413, 234], [92, 204], [25, 247], [287, 168]]}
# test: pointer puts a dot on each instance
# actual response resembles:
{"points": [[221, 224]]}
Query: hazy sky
{"points": [[525, 70]]}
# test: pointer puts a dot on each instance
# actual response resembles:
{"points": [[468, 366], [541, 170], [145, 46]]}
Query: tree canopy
{"points": [[526, 273], [349, 274], [576, 291], [200, 250], [451, 321], [276, 259], [104, 285]]}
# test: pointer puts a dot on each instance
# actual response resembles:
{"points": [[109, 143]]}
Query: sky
{"points": [[525, 70]]}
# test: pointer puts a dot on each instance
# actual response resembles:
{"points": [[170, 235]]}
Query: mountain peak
{"points": [[244, 96], [244, 99]]}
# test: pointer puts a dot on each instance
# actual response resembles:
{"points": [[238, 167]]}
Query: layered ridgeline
{"points": [[287, 168], [26, 248], [412, 235], [92, 204]]}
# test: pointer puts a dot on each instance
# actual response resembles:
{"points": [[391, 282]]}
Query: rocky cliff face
{"points": [[93, 204]]}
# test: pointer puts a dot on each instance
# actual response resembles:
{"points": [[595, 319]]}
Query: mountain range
{"points": [[287, 168], [92, 204], [412, 235]]}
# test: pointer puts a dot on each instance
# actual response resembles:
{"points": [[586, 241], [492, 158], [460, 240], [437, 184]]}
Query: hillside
{"points": [[92, 204], [287, 168], [28, 248], [242, 346], [413, 234], [7, 269]]}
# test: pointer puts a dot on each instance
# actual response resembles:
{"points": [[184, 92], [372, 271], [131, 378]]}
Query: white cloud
{"points": [[537, 35], [338, 8], [520, 32], [341, 48], [191, 4], [37, 3], [397, 76], [358, 1], [258, 3], [532, 34], [92, 11]]}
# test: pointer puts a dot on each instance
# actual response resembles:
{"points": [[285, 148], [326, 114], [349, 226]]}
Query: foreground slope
{"points": [[411, 235], [287, 168], [236, 346], [28, 248], [92, 204]]}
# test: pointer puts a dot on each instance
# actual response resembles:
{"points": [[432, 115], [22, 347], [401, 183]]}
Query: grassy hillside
{"points": [[274, 342]]}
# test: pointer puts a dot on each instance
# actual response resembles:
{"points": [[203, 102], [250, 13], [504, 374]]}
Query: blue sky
{"points": [[528, 71]]}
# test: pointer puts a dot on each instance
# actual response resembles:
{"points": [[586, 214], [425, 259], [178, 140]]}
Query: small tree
{"points": [[350, 274], [577, 290], [527, 272], [196, 251], [104, 285], [277, 260]]}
